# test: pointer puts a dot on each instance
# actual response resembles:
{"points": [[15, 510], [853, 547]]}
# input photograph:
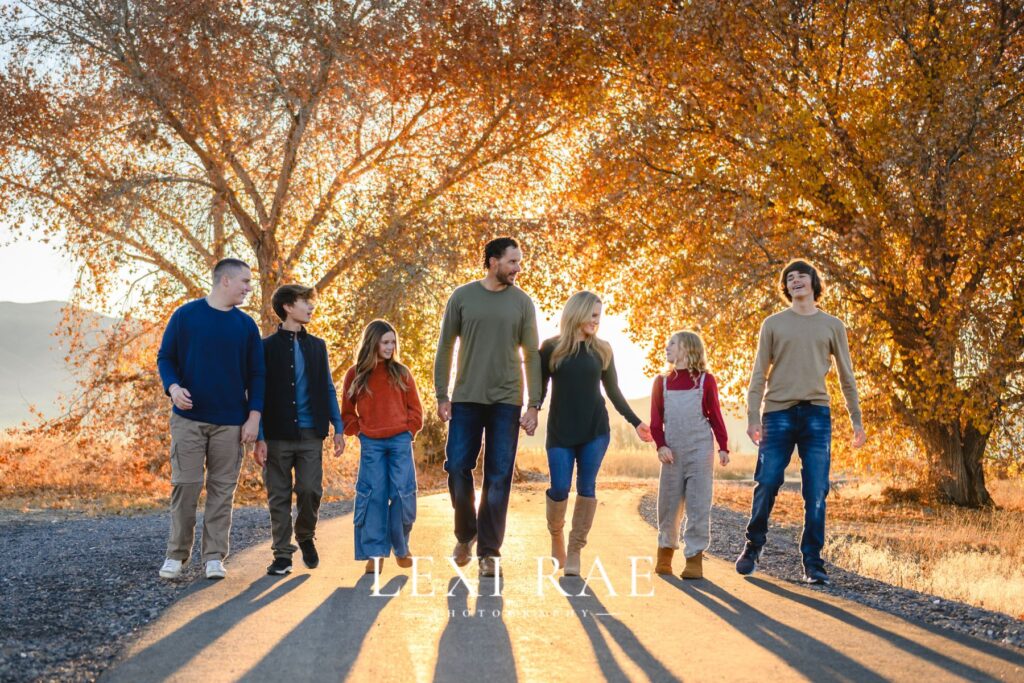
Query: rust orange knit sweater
{"points": [[385, 411]]}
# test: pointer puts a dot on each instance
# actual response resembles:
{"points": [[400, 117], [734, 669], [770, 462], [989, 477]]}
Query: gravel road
{"points": [[73, 589]]}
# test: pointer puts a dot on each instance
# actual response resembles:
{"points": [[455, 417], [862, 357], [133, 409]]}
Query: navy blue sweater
{"points": [[218, 357]]}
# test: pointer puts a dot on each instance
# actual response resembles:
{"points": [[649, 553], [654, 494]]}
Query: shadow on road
{"points": [[905, 644], [173, 652], [596, 616], [476, 647], [805, 654], [329, 640]]}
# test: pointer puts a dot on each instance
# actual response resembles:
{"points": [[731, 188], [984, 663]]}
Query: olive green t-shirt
{"points": [[794, 353], [491, 328]]}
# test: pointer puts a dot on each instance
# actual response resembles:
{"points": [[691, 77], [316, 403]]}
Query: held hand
{"points": [[339, 444], [754, 432], [665, 455], [444, 410], [859, 437], [259, 453], [529, 421], [723, 458], [181, 398], [644, 432], [251, 429]]}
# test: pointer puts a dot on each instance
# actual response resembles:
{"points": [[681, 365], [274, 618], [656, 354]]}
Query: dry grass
{"points": [[55, 474], [972, 556]]}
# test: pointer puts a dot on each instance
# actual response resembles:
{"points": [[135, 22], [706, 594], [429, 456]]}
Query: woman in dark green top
{"points": [[578, 364]]}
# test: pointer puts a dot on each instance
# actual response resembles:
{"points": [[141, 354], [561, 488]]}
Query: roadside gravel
{"points": [[781, 559], [73, 588]]}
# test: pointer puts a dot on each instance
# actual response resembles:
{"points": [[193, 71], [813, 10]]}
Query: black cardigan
{"points": [[280, 412]]}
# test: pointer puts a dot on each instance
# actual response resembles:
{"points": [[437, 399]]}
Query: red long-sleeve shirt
{"points": [[681, 381]]}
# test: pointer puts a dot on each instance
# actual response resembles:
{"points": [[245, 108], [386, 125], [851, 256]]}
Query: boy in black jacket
{"points": [[301, 402]]}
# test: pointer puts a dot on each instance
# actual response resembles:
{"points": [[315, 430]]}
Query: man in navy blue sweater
{"points": [[211, 365]]}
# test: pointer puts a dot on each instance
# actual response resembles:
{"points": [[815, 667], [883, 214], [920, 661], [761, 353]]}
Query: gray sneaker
{"points": [[215, 569], [171, 569]]}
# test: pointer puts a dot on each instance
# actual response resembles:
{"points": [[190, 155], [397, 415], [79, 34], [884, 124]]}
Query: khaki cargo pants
{"points": [[195, 447]]}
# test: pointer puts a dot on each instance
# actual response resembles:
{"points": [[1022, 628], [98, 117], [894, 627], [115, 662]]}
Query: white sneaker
{"points": [[215, 569], [171, 569]]}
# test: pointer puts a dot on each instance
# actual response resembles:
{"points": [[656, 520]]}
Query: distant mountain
{"points": [[32, 368]]}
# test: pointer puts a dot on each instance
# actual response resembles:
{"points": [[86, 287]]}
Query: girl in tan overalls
{"points": [[686, 419]]}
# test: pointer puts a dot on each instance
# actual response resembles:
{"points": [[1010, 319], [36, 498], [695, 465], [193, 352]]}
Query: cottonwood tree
{"points": [[883, 140], [356, 146]]}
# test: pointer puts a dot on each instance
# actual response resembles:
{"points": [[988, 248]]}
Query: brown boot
{"points": [[463, 552], [556, 522], [582, 519], [404, 562], [369, 564], [694, 567], [664, 565]]}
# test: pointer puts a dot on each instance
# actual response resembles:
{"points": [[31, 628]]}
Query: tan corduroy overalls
{"points": [[688, 480]]}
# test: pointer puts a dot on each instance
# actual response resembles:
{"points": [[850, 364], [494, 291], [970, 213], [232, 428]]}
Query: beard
{"points": [[506, 279]]}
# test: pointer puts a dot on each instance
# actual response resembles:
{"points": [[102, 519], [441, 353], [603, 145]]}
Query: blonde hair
{"points": [[577, 312], [690, 352], [366, 360]]}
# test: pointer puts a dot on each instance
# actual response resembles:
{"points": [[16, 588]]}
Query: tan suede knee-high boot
{"points": [[582, 519], [556, 523]]}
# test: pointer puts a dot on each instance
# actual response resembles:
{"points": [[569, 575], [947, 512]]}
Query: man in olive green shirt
{"points": [[794, 353], [492, 319]]}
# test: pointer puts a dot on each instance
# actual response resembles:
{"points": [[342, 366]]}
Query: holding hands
{"points": [[644, 432], [529, 421], [339, 444]]}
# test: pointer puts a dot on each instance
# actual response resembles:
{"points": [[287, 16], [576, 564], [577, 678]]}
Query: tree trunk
{"points": [[269, 279], [960, 475]]}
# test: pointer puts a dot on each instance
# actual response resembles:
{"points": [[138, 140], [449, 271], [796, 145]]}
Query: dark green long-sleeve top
{"points": [[491, 328], [577, 413]]}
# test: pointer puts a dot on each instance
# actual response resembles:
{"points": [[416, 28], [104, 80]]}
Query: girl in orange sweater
{"points": [[380, 404]]}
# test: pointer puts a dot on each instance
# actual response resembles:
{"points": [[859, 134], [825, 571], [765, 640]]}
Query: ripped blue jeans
{"points": [[808, 428], [385, 506]]}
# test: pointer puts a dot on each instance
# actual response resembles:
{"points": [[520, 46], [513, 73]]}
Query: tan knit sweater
{"points": [[794, 353]]}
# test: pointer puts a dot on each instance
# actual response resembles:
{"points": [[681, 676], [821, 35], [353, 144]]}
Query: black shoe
{"points": [[816, 576], [310, 557], [281, 565], [746, 563], [490, 567]]}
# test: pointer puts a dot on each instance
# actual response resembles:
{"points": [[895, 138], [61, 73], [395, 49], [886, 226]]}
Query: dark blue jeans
{"points": [[808, 428], [469, 424], [587, 457]]}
